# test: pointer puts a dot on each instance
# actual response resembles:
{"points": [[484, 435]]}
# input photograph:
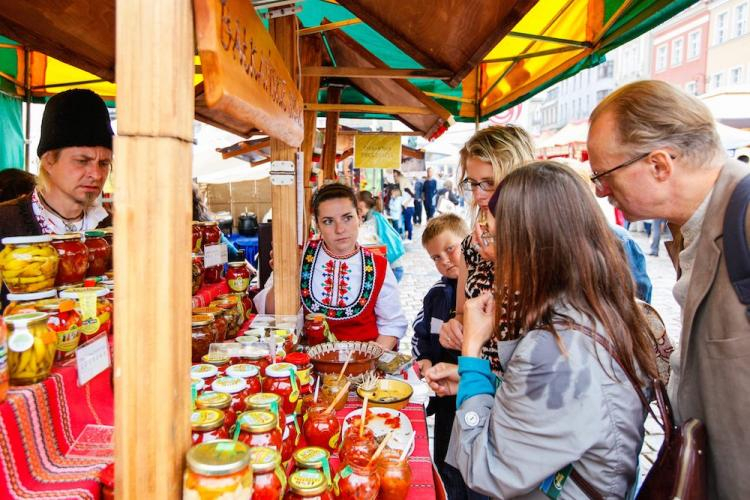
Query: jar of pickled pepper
{"points": [[207, 425], [322, 428], [197, 272], [65, 321], [394, 474], [269, 480], [28, 263], [197, 237], [94, 308], [308, 484], [31, 347], [99, 253], [354, 444], [247, 372], [357, 479], [238, 277], [314, 329], [220, 323], [27, 302], [212, 236], [239, 305], [281, 379], [74, 258], [218, 401], [230, 315], [218, 469], [260, 428]]}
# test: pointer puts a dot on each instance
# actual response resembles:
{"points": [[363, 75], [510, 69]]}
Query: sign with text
{"points": [[92, 358], [245, 78], [377, 151], [215, 255]]}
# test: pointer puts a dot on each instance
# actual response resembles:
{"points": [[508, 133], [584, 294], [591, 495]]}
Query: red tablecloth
{"points": [[55, 437], [207, 293]]}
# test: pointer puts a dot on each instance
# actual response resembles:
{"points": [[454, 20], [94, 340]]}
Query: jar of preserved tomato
{"points": [[314, 328], [268, 402], [357, 479], [207, 425], [354, 444], [65, 321], [4, 375], [282, 380], [74, 258], [218, 469], [235, 387], [198, 272], [322, 428], [312, 457], [260, 428], [204, 371], [221, 362], [289, 437], [27, 302], [308, 484], [218, 401], [395, 475], [269, 480], [220, 323], [197, 237], [230, 315], [93, 307], [238, 277], [247, 372], [99, 252], [204, 334]]}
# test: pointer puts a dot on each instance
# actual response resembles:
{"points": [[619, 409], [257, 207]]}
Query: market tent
{"points": [[572, 133], [733, 138]]}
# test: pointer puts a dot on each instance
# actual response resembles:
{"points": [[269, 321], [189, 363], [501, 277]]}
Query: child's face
{"points": [[445, 252]]}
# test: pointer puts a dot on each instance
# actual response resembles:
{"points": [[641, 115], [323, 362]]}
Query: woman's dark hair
{"points": [[553, 245], [15, 182], [370, 201], [332, 192], [200, 211]]}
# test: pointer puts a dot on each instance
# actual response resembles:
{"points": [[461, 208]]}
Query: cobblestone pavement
{"points": [[420, 274]]}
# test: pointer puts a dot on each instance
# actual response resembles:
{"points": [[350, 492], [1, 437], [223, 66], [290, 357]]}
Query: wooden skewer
{"points": [[343, 392], [364, 417], [381, 447], [408, 445], [343, 368]]}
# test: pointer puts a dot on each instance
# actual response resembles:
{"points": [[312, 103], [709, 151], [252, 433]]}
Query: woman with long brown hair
{"points": [[564, 412]]}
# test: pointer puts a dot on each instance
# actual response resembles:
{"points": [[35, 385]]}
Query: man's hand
{"points": [[443, 379], [424, 365], [452, 334]]}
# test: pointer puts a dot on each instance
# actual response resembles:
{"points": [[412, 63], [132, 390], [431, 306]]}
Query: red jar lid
{"points": [[298, 358]]}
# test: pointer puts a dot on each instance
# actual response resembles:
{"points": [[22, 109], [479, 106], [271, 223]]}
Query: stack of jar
{"points": [[204, 234]]}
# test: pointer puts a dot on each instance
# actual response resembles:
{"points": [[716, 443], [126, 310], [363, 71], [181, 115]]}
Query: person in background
{"points": [[441, 240], [377, 230], [429, 190], [657, 228], [407, 203], [418, 194], [396, 208], [15, 182]]}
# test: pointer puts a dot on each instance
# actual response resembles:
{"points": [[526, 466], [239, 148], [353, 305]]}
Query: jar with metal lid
{"points": [[197, 237], [65, 321], [218, 360], [218, 401], [236, 299], [204, 334], [260, 428], [238, 277], [269, 480], [100, 253], [198, 272], [31, 347], [28, 263], [258, 354], [218, 469], [314, 328], [247, 372], [74, 258], [26, 302], [268, 402], [205, 372], [219, 320], [308, 484], [281, 379], [211, 233], [95, 310], [207, 425], [230, 315], [235, 387], [312, 457]]}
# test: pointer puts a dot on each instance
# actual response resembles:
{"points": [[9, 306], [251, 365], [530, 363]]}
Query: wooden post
{"points": [[328, 161], [284, 198], [311, 49], [153, 151]]}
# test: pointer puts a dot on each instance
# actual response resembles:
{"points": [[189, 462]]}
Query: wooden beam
{"points": [[311, 53], [328, 163], [450, 97], [244, 147], [409, 133], [354, 72], [544, 38], [284, 198], [327, 27], [367, 108], [152, 350]]}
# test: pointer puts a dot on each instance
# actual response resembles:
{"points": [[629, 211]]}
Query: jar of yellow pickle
{"points": [[28, 263], [27, 302], [31, 347], [218, 469]]}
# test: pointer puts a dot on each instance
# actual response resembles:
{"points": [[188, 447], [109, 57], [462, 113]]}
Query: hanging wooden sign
{"points": [[245, 79], [377, 151]]}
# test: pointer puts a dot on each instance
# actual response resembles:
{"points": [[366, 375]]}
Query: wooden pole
{"points": [[328, 161], [153, 151], [311, 49], [284, 198]]}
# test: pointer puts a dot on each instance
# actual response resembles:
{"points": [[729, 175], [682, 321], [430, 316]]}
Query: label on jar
{"points": [[238, 284], [334, 441], [306, 479], [281, 476], [89, 321], [67, 340]]}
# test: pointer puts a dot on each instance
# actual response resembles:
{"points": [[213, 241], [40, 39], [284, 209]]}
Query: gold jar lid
{"points": [[213, 399], [206, 419], [262, 401], [201, 319], [215, 359], [263, 459], [256, 421], [210, 311], [218, 458], [308, 482], [310, 457], [66, 236]]}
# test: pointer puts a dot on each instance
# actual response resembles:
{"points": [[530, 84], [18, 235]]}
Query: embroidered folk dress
{"points": [[358, 293]]}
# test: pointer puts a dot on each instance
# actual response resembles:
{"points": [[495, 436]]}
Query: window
{"points": [[600, 95], [721, 28], [717, 80], [677, 51], [735, 75], [694, 45], [691, 88], [606, 70], [740, 19], [661, 58]]}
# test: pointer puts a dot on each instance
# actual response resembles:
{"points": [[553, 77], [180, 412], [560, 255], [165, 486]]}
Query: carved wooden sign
{"points": [[245, 79]]}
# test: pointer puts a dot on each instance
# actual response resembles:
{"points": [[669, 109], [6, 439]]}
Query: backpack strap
{"points": [[737, 254]]}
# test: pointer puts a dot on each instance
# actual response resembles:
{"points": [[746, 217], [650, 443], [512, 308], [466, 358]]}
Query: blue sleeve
{"points": [[476, 378], [637, 263], [231, 249], [420, 342]]}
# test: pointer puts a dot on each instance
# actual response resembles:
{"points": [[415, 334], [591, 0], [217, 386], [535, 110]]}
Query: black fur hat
{"points": [[76, 117]]}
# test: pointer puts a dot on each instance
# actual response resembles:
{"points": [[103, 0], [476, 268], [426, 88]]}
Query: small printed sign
{"points": [[215, 255], [92, 358]]}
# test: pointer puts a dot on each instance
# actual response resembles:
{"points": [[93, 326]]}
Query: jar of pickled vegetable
{"points": [[322, 428], [289, 437], [213, 274], [314, 329], [247, 372], [357, 480], [268, 402], [207, 425], [282, 380], [74, 258], [394, 474], [218, 401], [31, 347], [269, 480], [28, 263], [230, 315], [204, 334], [218, 469], [197, 237], [93, 307], [235, 387], [260, 428], [27, 302], [99, 252], [238, 277], [354, 444], [205, 372], [198, 271], [308, 484], [239, 305], [4, 375], [65, 321], [220, 323], [312, 457]]}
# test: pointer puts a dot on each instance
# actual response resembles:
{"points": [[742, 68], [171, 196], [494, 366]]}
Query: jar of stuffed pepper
{"points": [[357, 479], [99, 252], [266, 401], [74, 258], [308, 484], [94, 308], [260, 428], [204, 334], [28, 263], [197, 237], [238, 277], [269, 480], [394, 474], [31, 347], [230, 315], [235, 387], [218, 469], [65, 321], [198, 272], [27, 302], [207, 425], [247, 372], [281, 379], [312, 457], [211, 234], [218, 401], [220, 323]]}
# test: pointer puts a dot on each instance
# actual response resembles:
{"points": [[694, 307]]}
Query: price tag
{"points": [[92, 358], [215, 255]]}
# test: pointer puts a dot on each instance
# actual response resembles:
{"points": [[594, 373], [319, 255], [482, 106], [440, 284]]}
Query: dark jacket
{"points": [[429, 190], [438, 306]]}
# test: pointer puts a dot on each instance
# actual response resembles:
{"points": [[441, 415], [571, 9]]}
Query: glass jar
{"points": [[260, 428], [258, 354], [28, 263], [331, 386], [100, 253], [109, 233], [93, 307], [308, 484], [207, 425], [220, 323], [289, 437], [213, 274], [236, 299], [198, 271], [197, 237], [281, 379], [219, 361], [65, 321], [218, 469], [4, 375], [74, 258], [268, 402], [312, 457], [204, 334], [394, 474], [269, 480], [27, 302], [205, 372], [247, 372], [31, 347], [303, 366], [314, 328], [235, 387], [354, 444], [218, 401], [211, 234], [321, 428], [230, 315], [238, 277], [357, 480]]}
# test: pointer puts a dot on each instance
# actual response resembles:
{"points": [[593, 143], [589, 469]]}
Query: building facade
{"points": [[728, 52]]}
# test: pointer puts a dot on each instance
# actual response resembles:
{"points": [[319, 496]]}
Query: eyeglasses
{"points": [[468, 185], [596, 178]]}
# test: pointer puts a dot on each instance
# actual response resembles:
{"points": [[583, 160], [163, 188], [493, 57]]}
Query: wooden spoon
{"points": [[381, 447], [343, 392]]}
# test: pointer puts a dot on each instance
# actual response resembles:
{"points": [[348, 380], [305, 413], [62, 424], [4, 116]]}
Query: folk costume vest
{"points": [[345, 289]]}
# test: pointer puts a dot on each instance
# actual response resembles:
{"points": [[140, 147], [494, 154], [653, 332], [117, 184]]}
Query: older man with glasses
{"points": [[655, 153]]}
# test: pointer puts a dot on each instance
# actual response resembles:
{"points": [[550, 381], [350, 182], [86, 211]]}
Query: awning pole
{"points": [[27, 99]]}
